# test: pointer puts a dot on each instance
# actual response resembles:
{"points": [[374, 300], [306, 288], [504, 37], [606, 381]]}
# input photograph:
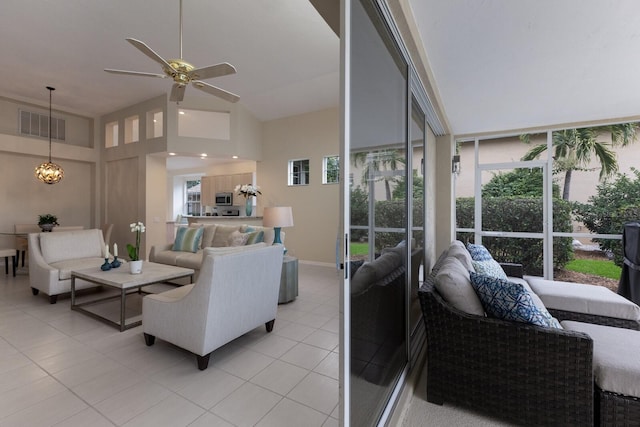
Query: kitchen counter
{"points": [[251, 220]]}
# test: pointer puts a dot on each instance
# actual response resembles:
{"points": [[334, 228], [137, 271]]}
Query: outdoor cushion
{"points": [[581, 298], [509, 301], [454, 284], [457, 250], [616, 366]]}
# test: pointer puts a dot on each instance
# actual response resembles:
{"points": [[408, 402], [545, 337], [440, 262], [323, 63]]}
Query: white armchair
{"points": [[234, 293]]}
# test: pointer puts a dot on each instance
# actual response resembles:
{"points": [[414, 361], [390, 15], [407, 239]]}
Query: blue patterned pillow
{"points": [[478, 252], [509, 301], [489, 268], [188, 239]]}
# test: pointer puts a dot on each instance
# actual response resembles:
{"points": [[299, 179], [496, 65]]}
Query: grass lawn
{"points": [[596, 267], [359, 248]]}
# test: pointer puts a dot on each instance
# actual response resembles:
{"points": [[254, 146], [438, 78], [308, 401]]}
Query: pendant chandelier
{"points": [[49, 172]]}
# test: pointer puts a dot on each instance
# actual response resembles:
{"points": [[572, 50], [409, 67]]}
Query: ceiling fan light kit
{"points": [[182, 73], [49, 172]]}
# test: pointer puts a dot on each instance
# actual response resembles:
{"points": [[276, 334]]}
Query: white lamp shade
{"points": [[280, 216]]}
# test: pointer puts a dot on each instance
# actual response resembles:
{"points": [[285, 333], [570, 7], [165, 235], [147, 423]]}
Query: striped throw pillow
{"points": [[187, 239]]}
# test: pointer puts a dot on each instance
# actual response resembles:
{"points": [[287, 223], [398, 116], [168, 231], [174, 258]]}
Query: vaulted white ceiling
{"points": [[497, 64], [286, 56], [504, 64]]}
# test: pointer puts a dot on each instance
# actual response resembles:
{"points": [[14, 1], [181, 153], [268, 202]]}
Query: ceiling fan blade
{"points": [[217, 70], [213, 90], [177, 92], [135, 73], [149, 52]]}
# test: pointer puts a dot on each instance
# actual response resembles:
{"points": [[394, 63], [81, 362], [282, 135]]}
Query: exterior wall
{"points": [[315, 206]]}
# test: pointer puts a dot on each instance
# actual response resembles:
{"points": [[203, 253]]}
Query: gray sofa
{"points": [[224, 238]]}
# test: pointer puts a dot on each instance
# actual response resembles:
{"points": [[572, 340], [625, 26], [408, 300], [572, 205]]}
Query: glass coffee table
{"points": [[126, 283]]}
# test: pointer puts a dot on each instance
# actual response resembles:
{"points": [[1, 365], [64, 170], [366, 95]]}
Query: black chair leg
{"points": [[149, 339], [269, 325], [6, 265], [23, 258], [203, 361], [14, 263]]}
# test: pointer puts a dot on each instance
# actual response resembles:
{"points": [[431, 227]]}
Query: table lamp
{"points": [[277, 217]]}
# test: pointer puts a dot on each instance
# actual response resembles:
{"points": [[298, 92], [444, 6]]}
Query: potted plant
{"points": [[47, 221]]}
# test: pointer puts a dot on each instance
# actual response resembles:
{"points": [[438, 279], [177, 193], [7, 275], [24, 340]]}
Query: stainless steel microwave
{"points": [[224, 199]]}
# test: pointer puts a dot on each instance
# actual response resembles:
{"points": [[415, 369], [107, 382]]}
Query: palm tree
{"points": [[573, 149], [379, 165]]}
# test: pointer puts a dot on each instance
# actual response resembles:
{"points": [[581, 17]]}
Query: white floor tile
{"points": [[210, 387], [280, 377], [210, 420], [330, 366], [316, 391], [245, 365], [88, 417], [173, 411], [305, 355], [132, 401], [47, 412], [64, 368], [323, 339], [273, 345], [288, 413], [247, 405], [18, 377]]}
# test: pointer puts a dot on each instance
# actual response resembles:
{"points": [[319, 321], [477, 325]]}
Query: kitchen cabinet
{"points": [[210, 185]]}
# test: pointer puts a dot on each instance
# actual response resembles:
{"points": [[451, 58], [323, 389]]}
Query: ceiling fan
{"points": [[182, 72]]}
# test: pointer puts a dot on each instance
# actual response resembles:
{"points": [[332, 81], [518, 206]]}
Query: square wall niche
{"points": [[111, 134], [131, 129], [155, 124]]}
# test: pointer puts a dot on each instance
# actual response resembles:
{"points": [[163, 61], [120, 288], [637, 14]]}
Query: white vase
{"points": [[135, 267]]}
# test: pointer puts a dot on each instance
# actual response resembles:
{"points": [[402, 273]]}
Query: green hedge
{"points": [[518, 215]]}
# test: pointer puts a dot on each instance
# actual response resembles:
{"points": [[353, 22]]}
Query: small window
{"points": [[331, 170], [131, 129], [299, 172], [192, 204], [111, 135]]}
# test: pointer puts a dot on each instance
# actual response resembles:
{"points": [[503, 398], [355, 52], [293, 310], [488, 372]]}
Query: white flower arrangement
{"points": [[134, 251], [248, 190]]}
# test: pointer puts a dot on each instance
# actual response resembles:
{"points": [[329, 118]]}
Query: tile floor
{"points": [[62, 368]]}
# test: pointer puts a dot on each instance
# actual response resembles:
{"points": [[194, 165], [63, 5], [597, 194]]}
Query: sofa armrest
{"points": [[155, 249], [512, 269], [41, 274]]}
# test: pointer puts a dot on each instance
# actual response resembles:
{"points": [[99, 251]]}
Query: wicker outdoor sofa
{"points": [[517, 372]]}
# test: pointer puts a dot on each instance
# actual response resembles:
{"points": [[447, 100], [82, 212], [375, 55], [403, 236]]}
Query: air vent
{"points": [[35, 124]]}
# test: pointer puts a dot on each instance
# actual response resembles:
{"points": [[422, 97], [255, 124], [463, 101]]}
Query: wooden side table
{"points": [[288, 280]]}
